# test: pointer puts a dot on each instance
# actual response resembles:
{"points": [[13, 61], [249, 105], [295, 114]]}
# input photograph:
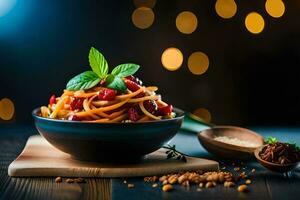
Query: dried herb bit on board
{"points": [[279, 152], [173, 153]]}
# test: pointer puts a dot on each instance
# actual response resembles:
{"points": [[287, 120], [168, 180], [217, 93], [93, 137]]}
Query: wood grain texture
{"points": [[266, 185], [46, 188], [39, 158], [11, 145]]}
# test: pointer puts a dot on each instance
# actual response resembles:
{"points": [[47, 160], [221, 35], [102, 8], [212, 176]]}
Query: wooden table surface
{"points": [[266, 185]]}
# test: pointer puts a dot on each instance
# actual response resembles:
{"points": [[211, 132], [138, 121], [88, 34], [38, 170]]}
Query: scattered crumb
{"points": [[242, 175], [237, 169], [58, 180], [167, 188], [130, 185], [154, 185], [242, 188]]}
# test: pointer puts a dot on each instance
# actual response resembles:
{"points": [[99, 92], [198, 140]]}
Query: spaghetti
{"points": [[104, 105]]}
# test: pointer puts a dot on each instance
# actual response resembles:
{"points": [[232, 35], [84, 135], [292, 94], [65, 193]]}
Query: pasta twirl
{"points": [[88, 106]]}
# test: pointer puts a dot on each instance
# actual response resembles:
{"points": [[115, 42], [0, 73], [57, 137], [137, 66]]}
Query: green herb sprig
{"points": [[99, 65], [175, 154], [271, 140]]}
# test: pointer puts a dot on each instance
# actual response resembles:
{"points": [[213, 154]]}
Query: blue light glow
{"points": [[6, 6]]}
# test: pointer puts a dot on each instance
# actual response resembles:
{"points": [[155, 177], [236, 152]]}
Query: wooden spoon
{"points": [[226, 150], [274, 166]]}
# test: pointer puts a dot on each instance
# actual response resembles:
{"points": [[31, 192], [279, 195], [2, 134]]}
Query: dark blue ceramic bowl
{"points": [[107, 141]]}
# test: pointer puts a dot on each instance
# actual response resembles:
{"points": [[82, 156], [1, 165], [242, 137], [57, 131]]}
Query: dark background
{"points": [[251, 80]]}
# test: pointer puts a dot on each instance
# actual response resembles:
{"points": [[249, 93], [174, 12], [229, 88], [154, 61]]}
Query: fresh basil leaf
{"points": [[115, 82], [83, 81], [124, 70], [98, 63]]}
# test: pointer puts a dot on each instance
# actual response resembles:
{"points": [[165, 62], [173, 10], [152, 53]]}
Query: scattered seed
{"points": [[248, 181], [163, 178], [172, 179], [167, 188], [236, 169], [209, 178], [228, 184], [58, 180], [242, 188], [199, 190], [182, 178], [186, 183], [215, 177], [201, 185], [253, 170], [221, 178], [209, 185], [165, 182], [154, 185], [124, 181], [130, 185]]}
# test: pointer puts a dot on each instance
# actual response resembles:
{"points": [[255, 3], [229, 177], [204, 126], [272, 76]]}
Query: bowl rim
{"points": [[177, 111]]}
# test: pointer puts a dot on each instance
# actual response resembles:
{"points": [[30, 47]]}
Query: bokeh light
{"points": [[6, 6], [144, 3], [7, 109], [172, 59], [226, 8], [254, 23], [186, 22], [198, 63], [203, 113], [275, 8], [142, 17]]}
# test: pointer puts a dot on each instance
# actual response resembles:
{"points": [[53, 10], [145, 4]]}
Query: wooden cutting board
{"points": [[39, 158]]}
